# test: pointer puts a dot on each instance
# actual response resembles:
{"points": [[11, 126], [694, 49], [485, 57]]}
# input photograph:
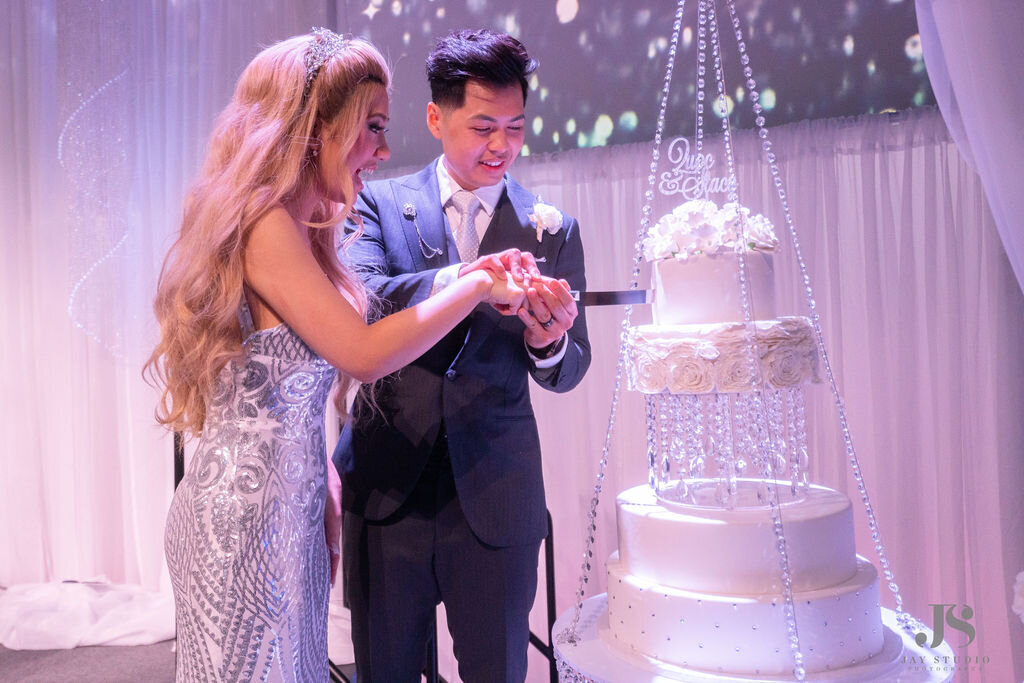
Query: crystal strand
{"points": [[570, 634], [719, 441], [792, 444], [709, 401], [694, 432], [747, 455], [789, 608], [800, 428], [702, 47], [652, 443], [764, 449], [679, 450], [907, 621], [797, 452], [716, 51], [775, 427], [727, 454], [700, 404], [664, 441], [753, 355], [765, 443]]}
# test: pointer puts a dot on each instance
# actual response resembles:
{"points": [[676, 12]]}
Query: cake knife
{"points": [[614, 298]]}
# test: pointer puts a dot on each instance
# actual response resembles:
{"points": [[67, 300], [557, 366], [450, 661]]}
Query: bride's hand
{"points": [[506, 295], [521, 264]]}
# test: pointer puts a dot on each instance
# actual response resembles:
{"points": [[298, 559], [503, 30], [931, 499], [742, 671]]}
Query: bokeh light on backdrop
{"points": [[602, 61]]}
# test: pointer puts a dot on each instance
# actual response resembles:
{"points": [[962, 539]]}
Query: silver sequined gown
{"points": [[245, 539]]}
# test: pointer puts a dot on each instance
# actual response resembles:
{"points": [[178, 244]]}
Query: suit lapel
{"points": [[418, 203], [511, 227]]}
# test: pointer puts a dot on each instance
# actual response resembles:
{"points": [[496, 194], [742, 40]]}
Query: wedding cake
{"points": [[728, 518]]}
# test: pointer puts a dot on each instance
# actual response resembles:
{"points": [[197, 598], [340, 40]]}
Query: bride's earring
{"points": [[314, 149]]}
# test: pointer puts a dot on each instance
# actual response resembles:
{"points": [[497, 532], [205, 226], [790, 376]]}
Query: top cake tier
{"points": [[695, 274], [705, 289]]}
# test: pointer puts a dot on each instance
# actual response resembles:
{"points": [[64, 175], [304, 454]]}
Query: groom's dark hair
{"points": [[496, 59]]}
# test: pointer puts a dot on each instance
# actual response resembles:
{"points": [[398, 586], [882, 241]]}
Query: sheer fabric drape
{"points": [[975, 70], [106, 111]]}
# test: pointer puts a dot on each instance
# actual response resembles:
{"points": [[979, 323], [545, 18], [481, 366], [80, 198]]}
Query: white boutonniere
{"points": [[545, 217]]}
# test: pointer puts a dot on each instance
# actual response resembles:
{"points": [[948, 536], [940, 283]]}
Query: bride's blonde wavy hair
{"points": [[261, 154]]}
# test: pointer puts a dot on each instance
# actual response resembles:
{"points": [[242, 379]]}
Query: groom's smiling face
{"points": [[483, 137]]}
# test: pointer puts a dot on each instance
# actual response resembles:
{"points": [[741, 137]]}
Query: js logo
{"points": [[941, 617]]}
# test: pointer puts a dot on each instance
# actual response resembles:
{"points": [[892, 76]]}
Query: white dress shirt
{"points": [[488, 197]]}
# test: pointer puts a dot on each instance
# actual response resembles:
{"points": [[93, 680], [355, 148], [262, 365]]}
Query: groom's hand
{"points": [[548, 312], [521, 265]]}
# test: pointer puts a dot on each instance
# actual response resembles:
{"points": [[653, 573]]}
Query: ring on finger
{"points": [[548, 323]]}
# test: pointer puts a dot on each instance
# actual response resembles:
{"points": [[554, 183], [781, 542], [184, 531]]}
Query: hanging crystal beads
{"points": [[569, 635]]}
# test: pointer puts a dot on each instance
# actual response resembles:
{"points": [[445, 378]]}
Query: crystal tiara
{"points": [[324, 45]]}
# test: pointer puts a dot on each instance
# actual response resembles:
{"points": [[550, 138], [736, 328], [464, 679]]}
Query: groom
{"points": [[441, 472]]}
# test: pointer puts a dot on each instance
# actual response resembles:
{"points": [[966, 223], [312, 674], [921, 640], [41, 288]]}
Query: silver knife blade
{"points": [[614, 298]]}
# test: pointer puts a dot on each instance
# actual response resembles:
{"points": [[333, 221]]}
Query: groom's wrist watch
{"points": [[549, 350]]}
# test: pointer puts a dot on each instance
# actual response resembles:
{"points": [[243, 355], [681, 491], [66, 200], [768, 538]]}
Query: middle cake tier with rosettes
{"points": [[722, 357]]}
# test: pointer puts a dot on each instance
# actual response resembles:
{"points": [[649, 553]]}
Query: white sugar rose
{"points": [[707, 234], [658, 247], [693, 375], [792, 333], [733, 373], [649, 374], [784, 367], [772, 334], [698, 226], [695, 211], [685, 243], [760, 235]]}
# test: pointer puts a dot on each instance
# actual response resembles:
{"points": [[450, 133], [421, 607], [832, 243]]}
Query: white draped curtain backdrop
{"points": [[107, 109], [975, 69]]}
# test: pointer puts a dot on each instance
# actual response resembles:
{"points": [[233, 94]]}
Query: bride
{"points": [[258, 315]]}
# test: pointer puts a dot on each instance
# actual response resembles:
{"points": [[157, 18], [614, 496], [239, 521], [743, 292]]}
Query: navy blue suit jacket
{"points": [[474, 381]]}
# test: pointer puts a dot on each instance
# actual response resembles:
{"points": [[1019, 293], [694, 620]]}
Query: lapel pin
{"points": [[428, 251]]}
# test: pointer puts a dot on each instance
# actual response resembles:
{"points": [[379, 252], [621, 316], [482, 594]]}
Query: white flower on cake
{"points": [[1018, 596], [693, 375], [700, 227], [733, 374], [785, 367], [651, 373], [545, 217], [655, 245], [716, 357]]}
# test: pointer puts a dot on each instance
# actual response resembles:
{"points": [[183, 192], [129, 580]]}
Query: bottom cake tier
{"points": [[746, 634], [583, 655]]}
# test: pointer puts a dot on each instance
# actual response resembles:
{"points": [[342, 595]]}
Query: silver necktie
{"points": [[466, 239]]}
